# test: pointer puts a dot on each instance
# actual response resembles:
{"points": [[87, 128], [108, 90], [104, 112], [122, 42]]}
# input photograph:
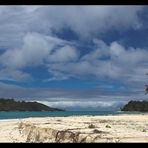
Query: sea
{"points": [[20, 115]]}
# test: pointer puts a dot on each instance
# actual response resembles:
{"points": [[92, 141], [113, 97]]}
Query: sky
{"points": [[74, 57]]}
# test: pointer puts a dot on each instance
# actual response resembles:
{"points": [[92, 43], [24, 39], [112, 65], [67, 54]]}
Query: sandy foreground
{"points": [[79, 129]]}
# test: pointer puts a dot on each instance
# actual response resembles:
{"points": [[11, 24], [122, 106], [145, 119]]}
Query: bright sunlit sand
{"points": [[117, 128]]}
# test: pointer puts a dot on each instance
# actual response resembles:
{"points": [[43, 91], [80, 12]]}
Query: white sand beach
{"points": [[115, 128]]}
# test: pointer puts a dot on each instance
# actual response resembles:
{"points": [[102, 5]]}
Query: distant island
{"points": [[12, 105], [140, 106]]}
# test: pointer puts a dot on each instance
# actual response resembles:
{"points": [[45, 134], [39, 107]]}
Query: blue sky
{"points": [[74, 57]]}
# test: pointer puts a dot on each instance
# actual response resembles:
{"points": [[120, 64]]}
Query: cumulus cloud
{"points": [[114, 61], [36, 49], [131, 55], [29, 31], [30, 37], [63, 60], [65, 54], [86, 21], [33, 51]]}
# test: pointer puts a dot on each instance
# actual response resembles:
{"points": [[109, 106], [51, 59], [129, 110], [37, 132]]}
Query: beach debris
{"points": [[108, 126], [59, 120], [91, 126], [103, 121], [97, 131], [144, 130], [67, 136]]}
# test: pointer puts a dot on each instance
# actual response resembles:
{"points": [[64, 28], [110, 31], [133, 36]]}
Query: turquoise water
{"points": [[15, 115]]}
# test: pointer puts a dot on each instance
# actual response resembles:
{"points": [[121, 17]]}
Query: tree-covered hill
{"points": [[141, 106], [12, 105]]}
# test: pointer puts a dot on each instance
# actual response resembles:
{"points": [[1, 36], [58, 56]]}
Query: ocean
{"points": [[19, 115]]}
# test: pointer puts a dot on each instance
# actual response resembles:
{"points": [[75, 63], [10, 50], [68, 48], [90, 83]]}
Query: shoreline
{"points": [[87, 128], [117, 113], [69, 116]]}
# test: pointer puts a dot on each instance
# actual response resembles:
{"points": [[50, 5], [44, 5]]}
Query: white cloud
{"points": [[89, 20], [56, 75], [130, 56], [33, 52], [64, 54], [85, 105], [14, 75], [35, 49], [81, 104], [113, 61], [28, 39], [116, 49], [86, 21], [28, 30], [63, 60]]}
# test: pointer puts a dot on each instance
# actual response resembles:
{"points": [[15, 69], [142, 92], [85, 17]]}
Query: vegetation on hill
{"points": [[12, 105], [141, 106]]}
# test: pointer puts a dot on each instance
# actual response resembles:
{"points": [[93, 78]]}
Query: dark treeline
{"points": [[12, 105], [141, 106]]}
